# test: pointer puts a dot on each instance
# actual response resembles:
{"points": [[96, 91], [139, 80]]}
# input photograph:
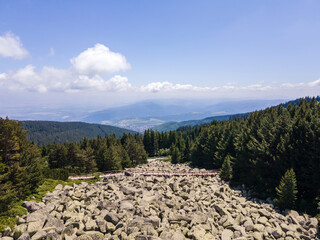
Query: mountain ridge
{"points": [[45, 132]]}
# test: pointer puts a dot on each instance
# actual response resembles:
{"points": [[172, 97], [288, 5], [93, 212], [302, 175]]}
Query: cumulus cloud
{"points": [[85, 74], [99, 59], [167, 86], [115, 84], [10, 46], [60, 80]]}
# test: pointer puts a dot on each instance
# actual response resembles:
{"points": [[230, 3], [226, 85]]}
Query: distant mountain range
{"points": [[148, 114], [45, 132], [169, 126]]}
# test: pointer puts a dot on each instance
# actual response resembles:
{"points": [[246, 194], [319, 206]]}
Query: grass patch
{"points": [[9, 218], [165, 159]]}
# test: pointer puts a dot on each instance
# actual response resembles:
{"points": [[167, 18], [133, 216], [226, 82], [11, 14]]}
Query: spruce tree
{"points": [[287, 191], [175, 155], [226, 169]]}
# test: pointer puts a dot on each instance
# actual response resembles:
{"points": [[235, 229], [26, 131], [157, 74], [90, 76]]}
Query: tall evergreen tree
{"points": [[287, 191], [20, 165], [226, 169], [175, 155]]}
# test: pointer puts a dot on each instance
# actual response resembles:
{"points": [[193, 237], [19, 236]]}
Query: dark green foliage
{"points": [[57, 174], [20, 164], [135, 150], [46, 132], [226, 169], [287, 191], [175, 155], [112, 159], [263, 146]]}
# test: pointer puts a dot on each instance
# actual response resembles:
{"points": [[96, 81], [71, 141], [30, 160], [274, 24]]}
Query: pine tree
{"points": [[226, 169], [175, 155], [112, 159], [287, 191], [20, 165]]}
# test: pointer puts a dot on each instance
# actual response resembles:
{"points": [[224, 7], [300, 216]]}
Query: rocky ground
{"points": [[138, 207]]}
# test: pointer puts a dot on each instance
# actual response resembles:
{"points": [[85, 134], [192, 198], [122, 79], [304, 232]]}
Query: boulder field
{"points": [[158, 207]]}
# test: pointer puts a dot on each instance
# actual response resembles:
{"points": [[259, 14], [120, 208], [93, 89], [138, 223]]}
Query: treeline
{"points": [[24, 166], [47, 132], [257, 149], [175, 143], [98, 154], [262, 148]]}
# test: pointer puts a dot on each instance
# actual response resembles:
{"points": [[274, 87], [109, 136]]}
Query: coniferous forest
{"points": [[260, 149], [24, 166], [275, 152]]}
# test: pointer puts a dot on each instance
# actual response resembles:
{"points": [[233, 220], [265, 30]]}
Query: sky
{"points": [[97, 54]]}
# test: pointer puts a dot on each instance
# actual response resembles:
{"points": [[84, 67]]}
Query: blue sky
{"points": [[103, 53]]}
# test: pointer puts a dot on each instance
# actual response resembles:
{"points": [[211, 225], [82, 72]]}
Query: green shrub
{"points": [[97, 176], [163, 152], [287, 191]]}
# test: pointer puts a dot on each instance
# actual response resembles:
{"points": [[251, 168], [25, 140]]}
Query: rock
{"points": [[110, 227], [84, 237], [58, 187], [257, 236], [277, 233], [31, 206], [312, 223], [178, 235], [112, 217], [166, 207], [55, 223], [37, 216], [126, 206], [34, 227], [262, 220], [24, 236], [102, 225], [90, 225], [127, 190], [95, 235], [226, 234], [7, 238], [19, 230], [155, 221], [39, 235]]}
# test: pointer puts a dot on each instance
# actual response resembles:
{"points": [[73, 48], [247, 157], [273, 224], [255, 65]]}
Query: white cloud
{"points": [[85, 76], [61, 80], [10, 46], [115, 84], [99, 59], [167, 86], [314, 83]]}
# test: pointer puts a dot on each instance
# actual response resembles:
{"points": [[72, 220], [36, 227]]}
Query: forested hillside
{"points": [[45, 132], [171, 126], [259, 149], [24, 166]]}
